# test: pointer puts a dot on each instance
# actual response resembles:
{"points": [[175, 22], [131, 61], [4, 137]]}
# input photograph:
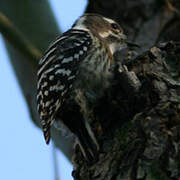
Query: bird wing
{"points": [[57, 71]]}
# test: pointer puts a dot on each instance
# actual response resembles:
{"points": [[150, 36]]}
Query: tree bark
{"points": [[138, 121]]}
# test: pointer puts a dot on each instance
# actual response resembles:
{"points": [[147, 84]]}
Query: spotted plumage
{"points": [[77, 66], [57, 71]]}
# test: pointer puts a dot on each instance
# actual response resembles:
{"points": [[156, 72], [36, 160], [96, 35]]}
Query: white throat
{"points": [[112, 47], [116, 47]]}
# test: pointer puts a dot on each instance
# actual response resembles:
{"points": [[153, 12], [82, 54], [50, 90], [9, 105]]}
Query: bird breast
{"points": [[94, 74]]}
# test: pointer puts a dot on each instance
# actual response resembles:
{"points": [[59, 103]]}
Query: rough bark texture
{"points": [[138, 121]]}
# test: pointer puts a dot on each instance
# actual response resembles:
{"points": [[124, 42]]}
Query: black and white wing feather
{"points": [[58, 69]]}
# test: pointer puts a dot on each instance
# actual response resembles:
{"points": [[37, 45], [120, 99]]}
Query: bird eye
{"points": [[114, 26]]}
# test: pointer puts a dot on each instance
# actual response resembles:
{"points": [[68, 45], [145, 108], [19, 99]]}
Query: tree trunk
{"points": [[138, 122]]}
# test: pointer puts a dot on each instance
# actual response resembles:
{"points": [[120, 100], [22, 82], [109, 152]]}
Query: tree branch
{"points": [[13, 35], [36, 22]]}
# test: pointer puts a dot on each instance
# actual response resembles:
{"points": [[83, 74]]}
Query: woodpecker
{"points": [[77, 67]]}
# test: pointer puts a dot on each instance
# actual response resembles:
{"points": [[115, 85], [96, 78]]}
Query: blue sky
{"points": [[23, 153]]}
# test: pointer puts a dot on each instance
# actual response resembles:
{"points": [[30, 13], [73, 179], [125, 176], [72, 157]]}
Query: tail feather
{"points": [[46, 132], [88, 144], [74, 120]]}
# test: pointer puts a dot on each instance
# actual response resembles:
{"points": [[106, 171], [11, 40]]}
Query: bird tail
{"points": [[87, 142], [46, 132]]}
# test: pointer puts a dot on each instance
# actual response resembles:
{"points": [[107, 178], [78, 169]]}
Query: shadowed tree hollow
{"points": [[137, 122]]}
